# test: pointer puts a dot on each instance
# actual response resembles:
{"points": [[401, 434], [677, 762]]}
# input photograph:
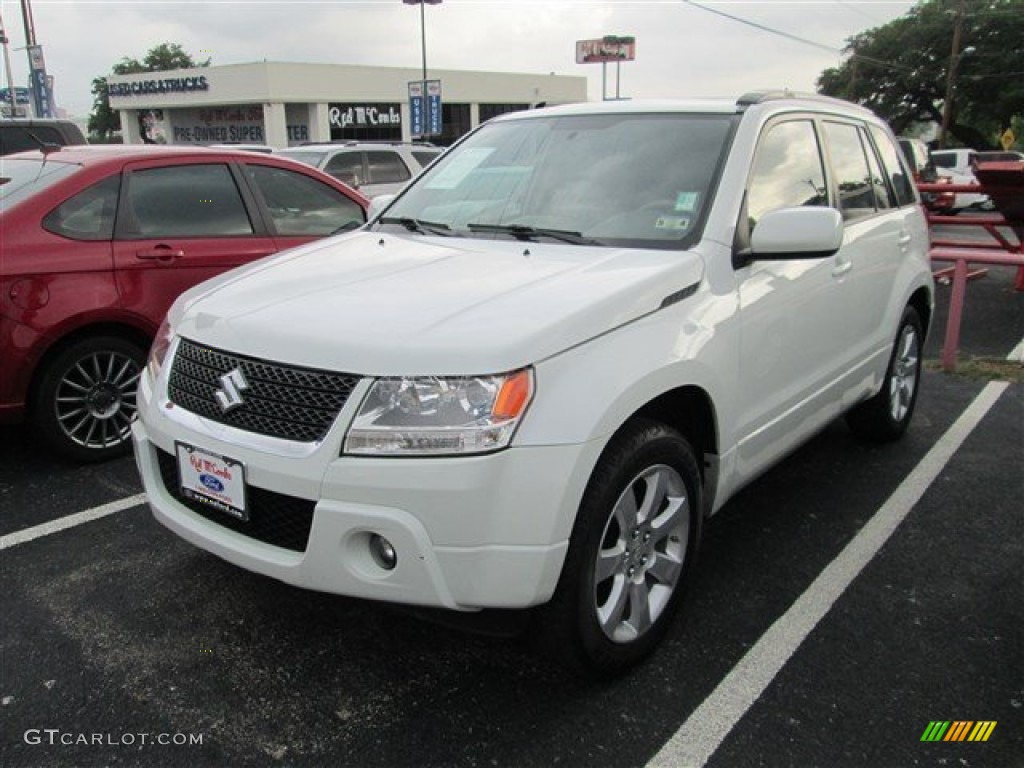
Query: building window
{"points": [[454, 124]]}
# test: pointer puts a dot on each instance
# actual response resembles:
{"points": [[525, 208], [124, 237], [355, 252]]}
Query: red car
{"points": [[97, 242]]}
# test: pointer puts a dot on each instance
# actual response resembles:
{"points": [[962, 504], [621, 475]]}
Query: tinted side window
{"points": [[347, 167], [187, 201], [89, 215], [300, 205], [385, 167], [849, 163], [898, 176], [788, 171]]}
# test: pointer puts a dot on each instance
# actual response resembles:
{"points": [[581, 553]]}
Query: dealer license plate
{"points": [[212, 480]]}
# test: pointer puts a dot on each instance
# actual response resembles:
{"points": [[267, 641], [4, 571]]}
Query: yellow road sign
{"points": [[1007, 139]]}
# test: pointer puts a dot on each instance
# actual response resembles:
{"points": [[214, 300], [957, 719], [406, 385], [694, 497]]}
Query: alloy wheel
{"points": [[903, 382], [95, 399], [642, 552]]}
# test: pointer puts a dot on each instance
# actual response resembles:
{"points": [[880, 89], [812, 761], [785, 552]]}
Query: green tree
{"points": [[900, 69], [103, 121]]}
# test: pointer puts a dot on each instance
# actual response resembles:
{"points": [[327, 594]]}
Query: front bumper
{"points": [[469, 532]]}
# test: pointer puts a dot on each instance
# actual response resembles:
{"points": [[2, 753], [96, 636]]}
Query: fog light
{"points": [[382, 552]]}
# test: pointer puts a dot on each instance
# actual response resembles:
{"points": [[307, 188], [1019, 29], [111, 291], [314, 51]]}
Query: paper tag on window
{"points": [[687, 201]]}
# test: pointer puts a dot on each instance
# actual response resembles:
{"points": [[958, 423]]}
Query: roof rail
{"points": [[759, 97], [356, 142]]}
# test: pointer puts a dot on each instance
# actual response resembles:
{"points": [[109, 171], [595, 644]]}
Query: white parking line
{"points": [[1017, 355], [63, 523], [707, 727]]}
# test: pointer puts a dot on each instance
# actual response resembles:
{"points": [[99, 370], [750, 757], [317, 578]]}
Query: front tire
{"points": [[85, 398], [885, 417], [631, 551]]}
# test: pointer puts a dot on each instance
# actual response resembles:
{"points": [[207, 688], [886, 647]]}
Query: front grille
{"points": [[283, 521], [280, 400]]}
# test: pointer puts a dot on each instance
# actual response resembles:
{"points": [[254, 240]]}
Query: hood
{"points": [[382, 304]]}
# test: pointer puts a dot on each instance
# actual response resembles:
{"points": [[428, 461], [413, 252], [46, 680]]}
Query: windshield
{"points": [[22, 177], [635, 180]]}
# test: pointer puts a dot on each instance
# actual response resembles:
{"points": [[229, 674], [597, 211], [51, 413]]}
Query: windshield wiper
{"points": [[418, 225], [523, 232]]}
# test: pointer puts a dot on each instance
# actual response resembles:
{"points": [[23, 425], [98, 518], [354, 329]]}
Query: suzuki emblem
{"points": [[230, 395]]}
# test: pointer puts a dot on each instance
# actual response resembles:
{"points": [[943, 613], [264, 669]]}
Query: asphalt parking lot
{"points": [[117, 635]]}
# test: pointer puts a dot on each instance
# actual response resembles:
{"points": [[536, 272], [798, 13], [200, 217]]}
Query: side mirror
{"points": [[377, 206], [811, 232]]}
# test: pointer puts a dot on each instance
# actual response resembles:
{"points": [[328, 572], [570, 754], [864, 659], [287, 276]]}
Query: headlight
{"points": [[436, 416], [158, 352]]}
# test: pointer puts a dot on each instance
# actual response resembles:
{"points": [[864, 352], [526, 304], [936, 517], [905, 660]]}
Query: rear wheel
{"points": [[85, 400], [631, 551], [885, 416]]}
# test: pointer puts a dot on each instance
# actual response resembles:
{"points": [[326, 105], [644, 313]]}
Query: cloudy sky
{"points": [[682, 50]]}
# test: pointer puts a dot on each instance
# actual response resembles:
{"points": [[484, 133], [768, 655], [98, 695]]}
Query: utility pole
{"points": [[42, 96], [954, 61], [30, 25], [7, 68]]}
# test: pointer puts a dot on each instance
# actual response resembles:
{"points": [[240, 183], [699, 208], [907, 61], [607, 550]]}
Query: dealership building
{"points": [[285, 104]]}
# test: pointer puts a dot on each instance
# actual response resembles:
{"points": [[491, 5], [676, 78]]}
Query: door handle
{"points": [[161, 253], [841, 268], [904, 240]]}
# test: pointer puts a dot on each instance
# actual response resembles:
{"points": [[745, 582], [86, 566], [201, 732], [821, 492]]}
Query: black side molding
{"points": [[675, 298]]}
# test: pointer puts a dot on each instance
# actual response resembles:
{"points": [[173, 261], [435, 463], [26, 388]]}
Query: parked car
{"points": [[915, 153], [960, 161], [373, 169], [531, 378], [957, 165], [97, 243], [19, 135]]}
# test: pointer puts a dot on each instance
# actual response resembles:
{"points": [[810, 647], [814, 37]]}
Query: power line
{"points": [[855, 9], [798, 39], [763, 28], [987, 77]]}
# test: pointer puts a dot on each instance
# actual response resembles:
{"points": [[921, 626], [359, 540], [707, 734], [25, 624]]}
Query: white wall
{"points": [[310, 83], [299, 94]]}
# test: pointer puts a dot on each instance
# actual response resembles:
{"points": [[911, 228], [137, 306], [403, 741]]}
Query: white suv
{"points": [[373, 169], [529, 381]]}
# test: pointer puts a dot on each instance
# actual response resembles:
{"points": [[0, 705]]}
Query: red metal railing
{"points": [[1004, 184]]}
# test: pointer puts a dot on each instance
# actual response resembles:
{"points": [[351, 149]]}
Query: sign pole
{"points": [[424, 85], [617, 48], [423, 40]]}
